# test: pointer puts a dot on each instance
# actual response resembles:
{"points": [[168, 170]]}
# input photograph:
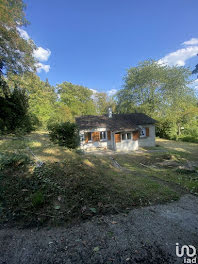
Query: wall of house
{"points": [[98, 144], [127, 144], [124, 145], [131, 145], [150, 140]]}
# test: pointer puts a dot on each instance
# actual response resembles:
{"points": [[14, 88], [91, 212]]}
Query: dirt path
{"points": [[145, 235]]}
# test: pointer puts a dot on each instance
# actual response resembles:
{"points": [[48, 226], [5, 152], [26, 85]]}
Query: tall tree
{"points": [[157, 90], [42, 96], [78, 98], [16, 53]]}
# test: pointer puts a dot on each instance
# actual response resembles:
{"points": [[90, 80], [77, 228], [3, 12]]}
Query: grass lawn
{"points": [[72, 186]]}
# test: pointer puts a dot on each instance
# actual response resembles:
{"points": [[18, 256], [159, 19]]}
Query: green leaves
{"points": [[16, 52], [93, 210], [78, 98], [159, 91]]}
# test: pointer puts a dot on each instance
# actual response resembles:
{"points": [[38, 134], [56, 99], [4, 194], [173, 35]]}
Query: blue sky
{"points": [[92, 42]]}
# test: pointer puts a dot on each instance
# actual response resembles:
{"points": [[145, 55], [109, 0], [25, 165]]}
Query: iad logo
{"points": [[189, 250]]}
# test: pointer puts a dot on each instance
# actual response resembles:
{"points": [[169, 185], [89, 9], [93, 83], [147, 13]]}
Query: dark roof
{"points": [[118, 122]]}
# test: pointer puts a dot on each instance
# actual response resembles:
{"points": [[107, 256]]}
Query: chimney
{"points": [[110, 112]]}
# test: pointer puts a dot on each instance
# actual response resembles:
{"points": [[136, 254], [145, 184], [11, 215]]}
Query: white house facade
{"points": [[119, 132]]}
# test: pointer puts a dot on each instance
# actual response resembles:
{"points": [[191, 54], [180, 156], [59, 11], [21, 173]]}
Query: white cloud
{"points": [[94, 91], [194, 84], [179, 57], [192, 41], [41, 54], [23, 33], [40, 66], [111, 92]]}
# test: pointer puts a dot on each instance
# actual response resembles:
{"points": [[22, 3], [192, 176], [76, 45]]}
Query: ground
{"points": [[146, 235], [85, 196]]}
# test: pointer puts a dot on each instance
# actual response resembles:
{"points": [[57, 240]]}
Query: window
{"points": [[143, 132], [128, 136], [123, 136], [103, 135], [89, 136]]}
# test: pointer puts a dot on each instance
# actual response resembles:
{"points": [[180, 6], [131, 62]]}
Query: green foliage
{"points": [[65, 134], [16, 53], [61, 114], [13, 160], [43, 100], [193, 139], [61, 104], [190, 132], [37, 199], [161, 92], [14, 115], [78, 98]]}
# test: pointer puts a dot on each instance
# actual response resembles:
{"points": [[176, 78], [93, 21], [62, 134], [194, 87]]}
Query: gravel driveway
{"points": [[145, 235]]}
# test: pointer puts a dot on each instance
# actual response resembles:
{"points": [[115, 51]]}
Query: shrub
{"points": [[13, 160], [189, 139], [164, 129], [65, 134], [190, 133], [37, 199]]}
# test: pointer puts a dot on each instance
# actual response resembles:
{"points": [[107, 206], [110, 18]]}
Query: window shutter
{"points": [[147, 131], [136, 135], [109, 135], [117, 138], [96, 136], [86, 137]]}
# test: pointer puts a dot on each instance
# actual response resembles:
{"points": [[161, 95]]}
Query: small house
{"points": [[119, 132]]}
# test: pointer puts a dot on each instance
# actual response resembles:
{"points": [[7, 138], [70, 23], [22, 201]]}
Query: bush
{"points": [[13, 160], [189, 139], [190, 133], [166, 129], [37, 199], [65, 134]]}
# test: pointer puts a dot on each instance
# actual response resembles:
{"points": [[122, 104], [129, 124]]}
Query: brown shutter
{"points": [[86, 137], [96, 136], [136, 135], [147, 131], [117, 138], [109, 135]]}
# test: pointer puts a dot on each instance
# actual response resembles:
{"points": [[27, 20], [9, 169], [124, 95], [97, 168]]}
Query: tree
{"points": [[42, 96], [78, 98], [16, 53], [14, 115], [159, 91]]}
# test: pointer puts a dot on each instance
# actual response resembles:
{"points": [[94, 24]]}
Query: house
{"points": [[120, 132]]}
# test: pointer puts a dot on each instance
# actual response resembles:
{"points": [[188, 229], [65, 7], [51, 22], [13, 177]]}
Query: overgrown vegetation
{"points": [[65, 134], [73, 190], [13, 160], [70, 187], [14, 114]]}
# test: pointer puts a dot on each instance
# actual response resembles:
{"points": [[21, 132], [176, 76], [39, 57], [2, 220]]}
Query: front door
{"points": [[117, 137]]}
